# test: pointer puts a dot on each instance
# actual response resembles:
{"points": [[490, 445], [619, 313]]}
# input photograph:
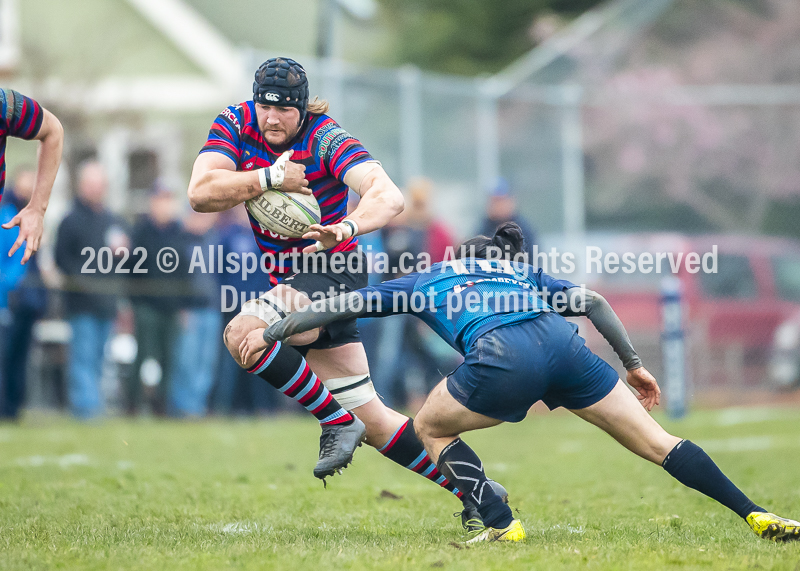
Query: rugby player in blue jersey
{"points": [[507, 319], [24, 118], [281, 140]]}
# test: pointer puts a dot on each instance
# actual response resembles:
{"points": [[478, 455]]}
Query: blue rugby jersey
{"points": [[326, 150], [450, 295], [21, 117]]}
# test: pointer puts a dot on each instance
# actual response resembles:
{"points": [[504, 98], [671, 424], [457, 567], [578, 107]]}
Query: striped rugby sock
{"points": [[283, 367], [405, 448]]}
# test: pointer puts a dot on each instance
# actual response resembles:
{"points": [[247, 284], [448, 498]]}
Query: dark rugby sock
{"points": [[405, 448], [283, 367], [692, 467], [461, 465]]}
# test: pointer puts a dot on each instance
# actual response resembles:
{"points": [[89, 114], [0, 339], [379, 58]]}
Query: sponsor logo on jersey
{"points": [[331, 140], [231, 116]]}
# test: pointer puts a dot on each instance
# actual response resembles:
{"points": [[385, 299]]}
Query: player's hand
{"points": [[31, 225], [252, 344], [326, 236], [294, 176], [647, 387]]}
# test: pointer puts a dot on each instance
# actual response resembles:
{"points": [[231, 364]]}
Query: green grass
{"points": [[219, 494]]}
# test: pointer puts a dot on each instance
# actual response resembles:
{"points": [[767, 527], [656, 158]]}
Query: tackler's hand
{"points": [[645, 384], [328, 236], [251, 345]]}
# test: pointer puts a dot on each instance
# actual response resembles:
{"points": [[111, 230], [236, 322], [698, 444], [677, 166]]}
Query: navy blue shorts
{"points": [[509, 369]]}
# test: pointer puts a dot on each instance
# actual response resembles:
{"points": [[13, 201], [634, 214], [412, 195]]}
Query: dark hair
{"points": [[507, 243]]}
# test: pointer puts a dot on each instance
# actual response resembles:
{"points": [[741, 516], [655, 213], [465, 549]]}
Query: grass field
{"points": [[240, 494]]}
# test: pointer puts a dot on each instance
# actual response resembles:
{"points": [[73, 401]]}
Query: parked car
{"points": [[742, 320]]}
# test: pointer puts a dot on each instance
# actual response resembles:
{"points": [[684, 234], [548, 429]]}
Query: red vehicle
{"points": [[742, 321]]}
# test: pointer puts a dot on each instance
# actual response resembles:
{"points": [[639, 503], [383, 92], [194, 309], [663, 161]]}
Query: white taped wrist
{"points": [[351, 225], [276, 174], [262, 179]]}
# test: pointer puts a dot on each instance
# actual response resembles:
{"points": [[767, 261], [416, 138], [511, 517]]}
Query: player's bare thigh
{"points": [[241, 325], [442, 418], [622, 416]]}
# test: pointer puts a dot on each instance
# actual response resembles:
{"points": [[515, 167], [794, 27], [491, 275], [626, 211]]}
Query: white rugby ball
{"points": [[286, 213]]}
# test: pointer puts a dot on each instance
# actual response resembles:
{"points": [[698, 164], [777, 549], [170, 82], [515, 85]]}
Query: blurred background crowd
{"points": [[631, 125], [95, 326]]}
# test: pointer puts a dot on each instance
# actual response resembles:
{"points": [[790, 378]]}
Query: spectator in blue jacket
{"points": [[198, 346], [23, 300]]}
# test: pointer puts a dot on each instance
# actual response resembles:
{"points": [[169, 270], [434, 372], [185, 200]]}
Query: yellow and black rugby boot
{"points": [[470, 517], [770, 526], [514, 532]]}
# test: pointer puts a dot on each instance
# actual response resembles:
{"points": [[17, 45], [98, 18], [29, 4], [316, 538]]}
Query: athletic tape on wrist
{"points": [[353, 226], [263, 179], [276, 173]]}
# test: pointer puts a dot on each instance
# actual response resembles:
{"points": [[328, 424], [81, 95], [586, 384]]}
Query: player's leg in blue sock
{"points": [[692, 467], [459, 464], [620, 414]]}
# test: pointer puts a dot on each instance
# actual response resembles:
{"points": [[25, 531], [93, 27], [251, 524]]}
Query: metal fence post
{"points": [[410, 131], [487, 137], [673, 347], [572, 161]]}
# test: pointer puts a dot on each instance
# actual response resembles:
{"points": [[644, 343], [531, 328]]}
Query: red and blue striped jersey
{"points": [[21, 117], [326, 150]]}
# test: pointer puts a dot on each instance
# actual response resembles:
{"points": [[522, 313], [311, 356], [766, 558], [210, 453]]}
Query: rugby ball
{"points": [[286, 213]]}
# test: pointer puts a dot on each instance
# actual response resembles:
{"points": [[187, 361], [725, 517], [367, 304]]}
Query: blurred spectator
{"points": [[198, 344], [23, 300], [436, 236], [236, 390], [502, 207], [90, 297], [156, 297], [411, 368]]}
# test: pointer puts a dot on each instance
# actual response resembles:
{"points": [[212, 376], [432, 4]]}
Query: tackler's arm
{"points": [[585, 302], [319, 313]]}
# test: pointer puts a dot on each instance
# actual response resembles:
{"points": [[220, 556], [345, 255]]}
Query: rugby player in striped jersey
{"points": [[24, 118], [281, 140]]}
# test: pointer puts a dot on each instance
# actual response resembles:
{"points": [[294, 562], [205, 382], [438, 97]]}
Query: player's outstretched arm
{"points": [[388, 298], [588, 303], [582, 301], [318, 313], [381, 201], [31, 218]]}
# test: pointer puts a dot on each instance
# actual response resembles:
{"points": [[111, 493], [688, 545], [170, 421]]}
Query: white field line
{"points": [[62, 461], [737, 415], [749, 443]]}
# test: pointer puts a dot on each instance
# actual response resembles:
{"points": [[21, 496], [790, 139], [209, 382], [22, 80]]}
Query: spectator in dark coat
{"points": [[91, 288], [156, 294]]}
